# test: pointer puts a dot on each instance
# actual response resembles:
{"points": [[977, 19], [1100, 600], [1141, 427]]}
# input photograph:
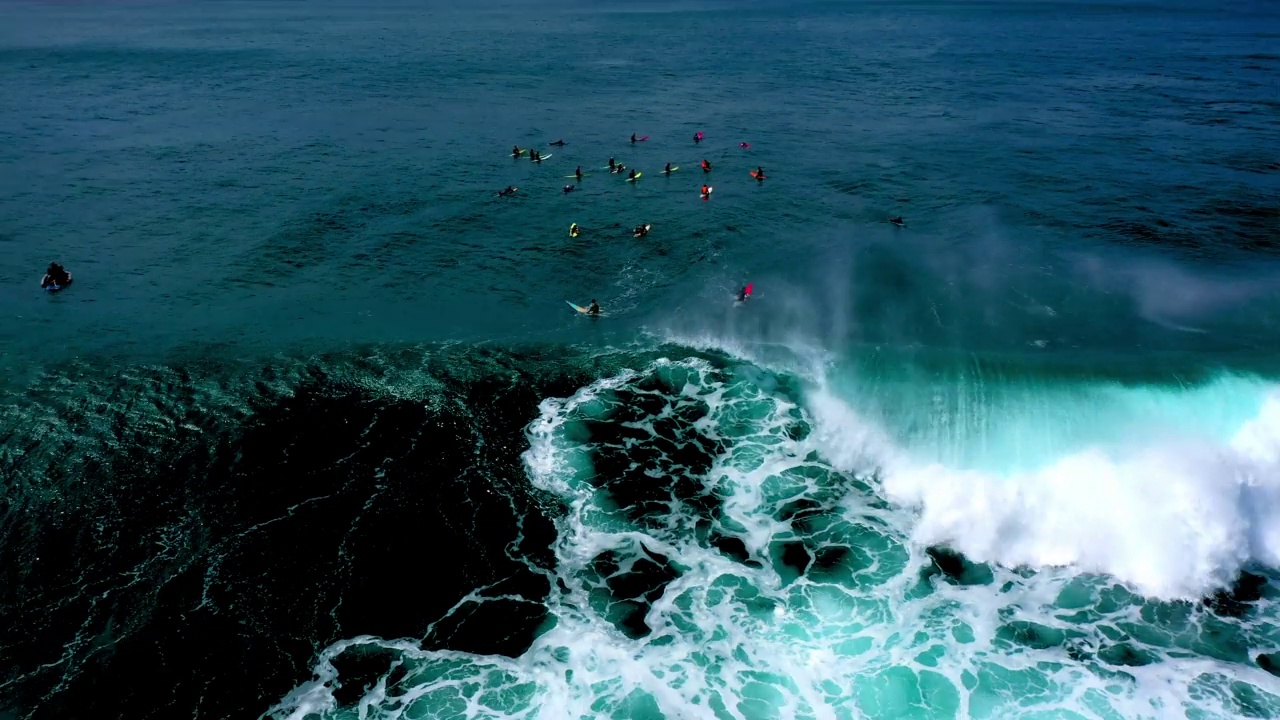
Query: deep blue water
{"points": [[282, 225], [267, 173]]}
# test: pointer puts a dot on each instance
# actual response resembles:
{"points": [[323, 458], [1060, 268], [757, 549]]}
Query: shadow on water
{"points": [[184, 541]]}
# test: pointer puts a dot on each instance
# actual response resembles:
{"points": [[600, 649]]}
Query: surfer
{"points": [[706, 166], [573, 230], [578, 172], [705, 190], [633, 137], [568, 189], [759, 173], [611, 163], [55, 277], [515, 151], [897, 221], [744, 145], [697, 137], [667, 169], [593, 308], [558, 143], [632, 175], [744, 293], [640, 231], [509, 191], [619, 168]]}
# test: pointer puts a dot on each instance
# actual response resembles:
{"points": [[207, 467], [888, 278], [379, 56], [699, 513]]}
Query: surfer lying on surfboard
{"points": [[559, 143], [745, 292], [640, 231], [897, 221], [509, 191]]}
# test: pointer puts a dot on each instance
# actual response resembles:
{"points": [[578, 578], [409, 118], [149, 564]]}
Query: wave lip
{"points": [[1176, 518]]}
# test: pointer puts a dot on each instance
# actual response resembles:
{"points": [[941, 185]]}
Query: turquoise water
{"points": [[315, 393]]}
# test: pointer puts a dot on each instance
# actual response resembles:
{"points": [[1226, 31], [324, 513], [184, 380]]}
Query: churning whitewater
{"points": [[741, 542]]}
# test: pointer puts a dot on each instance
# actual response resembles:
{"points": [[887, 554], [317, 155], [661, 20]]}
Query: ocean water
{"points": [[314, 434]]}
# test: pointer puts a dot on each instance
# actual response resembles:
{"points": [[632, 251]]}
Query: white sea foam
{"points": [[1175, 517]]}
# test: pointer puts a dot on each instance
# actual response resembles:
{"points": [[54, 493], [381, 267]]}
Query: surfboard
{"points": [[584, 311], [544, 157], [575, 176], [637, 177], [665, 172], [646, 137], [757, 175]]}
